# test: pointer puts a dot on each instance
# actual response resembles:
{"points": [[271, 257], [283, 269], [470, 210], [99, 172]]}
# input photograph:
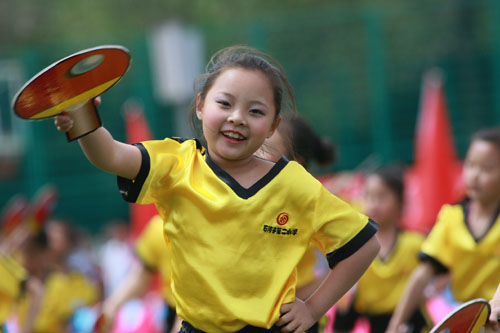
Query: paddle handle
{"points": [[85, 120]]}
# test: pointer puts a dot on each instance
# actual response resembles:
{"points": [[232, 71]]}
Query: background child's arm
{"points": [[412, 297], [299, 316], [104, 152], [136, 285], [495, 310]]}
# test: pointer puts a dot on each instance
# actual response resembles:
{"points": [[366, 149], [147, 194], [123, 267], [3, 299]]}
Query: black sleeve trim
{"points": [[130, 189], [438, 266], [353, 245], [148, 267]]}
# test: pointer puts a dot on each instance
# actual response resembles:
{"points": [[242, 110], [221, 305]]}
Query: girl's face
{"points": [[381, 202], [482, 171], [238, 114]]}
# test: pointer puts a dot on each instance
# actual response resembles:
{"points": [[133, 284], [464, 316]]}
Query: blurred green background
{"points": [[356, 68]]}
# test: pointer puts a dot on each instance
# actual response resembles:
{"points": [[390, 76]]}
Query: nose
{"points": [[237, 117]]}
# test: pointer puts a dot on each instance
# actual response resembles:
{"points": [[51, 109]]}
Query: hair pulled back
{"points": [[307, 145]]}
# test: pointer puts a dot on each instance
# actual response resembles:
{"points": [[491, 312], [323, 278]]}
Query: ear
{"points": [[274, 126], [199, 107]]}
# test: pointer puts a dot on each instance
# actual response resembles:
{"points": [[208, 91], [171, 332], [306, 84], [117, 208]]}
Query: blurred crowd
{"points": [[54, 274]]}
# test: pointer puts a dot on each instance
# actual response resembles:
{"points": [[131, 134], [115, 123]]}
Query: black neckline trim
{"points": [[465, 208], [242, 192]]}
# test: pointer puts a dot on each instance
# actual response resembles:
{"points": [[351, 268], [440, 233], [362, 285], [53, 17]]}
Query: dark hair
{"points": [[303, 144], [37, 241], [491, 135], [247, 58], [393, 177], [306, 144]]}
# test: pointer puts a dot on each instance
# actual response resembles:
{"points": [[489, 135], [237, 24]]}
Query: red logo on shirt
{"points": [[282, 218]]}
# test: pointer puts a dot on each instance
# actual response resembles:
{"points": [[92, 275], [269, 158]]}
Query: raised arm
{"points": [[299, 316], [104, 152]]}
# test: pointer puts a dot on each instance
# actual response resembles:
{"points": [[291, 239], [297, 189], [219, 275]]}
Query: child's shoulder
{"points": [[174, 143], [298, 170], [453, 210]]}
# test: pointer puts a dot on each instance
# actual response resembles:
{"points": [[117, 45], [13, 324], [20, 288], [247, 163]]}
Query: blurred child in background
{"points": [[116, 257], [154, 256], [378, 291], [34, 258], [61, 289], [464, 241], [13, 238]]}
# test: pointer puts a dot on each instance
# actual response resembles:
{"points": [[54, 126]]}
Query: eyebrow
{"points": [[251, 102]]}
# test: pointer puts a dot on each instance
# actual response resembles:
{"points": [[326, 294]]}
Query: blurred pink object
{"points": [[438, 308], [141, 315], [362, 326]]}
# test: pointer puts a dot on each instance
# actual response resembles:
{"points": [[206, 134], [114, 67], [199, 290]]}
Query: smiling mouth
{"points": [[233, 136]]}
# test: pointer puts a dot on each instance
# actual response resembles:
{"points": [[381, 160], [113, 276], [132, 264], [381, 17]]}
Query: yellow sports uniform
{"points": [[155, 255], [234, 249], [12, 276], [381, 286], [305, 267], [474, 263], [64, 293]]}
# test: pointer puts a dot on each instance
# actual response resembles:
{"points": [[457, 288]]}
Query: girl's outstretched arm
{"points": [[412, 297], [104, 152], [300, 315]]}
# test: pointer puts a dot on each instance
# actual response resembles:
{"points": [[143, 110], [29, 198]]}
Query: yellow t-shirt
{"points": [[12, 274], [235, 250], [64, 294], [155, 255], [306, 266], [474, 264], [382, 285]]}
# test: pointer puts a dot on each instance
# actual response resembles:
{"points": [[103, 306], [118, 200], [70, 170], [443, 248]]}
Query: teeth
{"points": [[234, 135]]}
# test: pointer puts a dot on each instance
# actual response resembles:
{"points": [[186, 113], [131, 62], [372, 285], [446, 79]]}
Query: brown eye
{"points": [[223, 103], [256, 111]]}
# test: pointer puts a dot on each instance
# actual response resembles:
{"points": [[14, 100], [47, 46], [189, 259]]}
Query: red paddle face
{"points": [[71, 81], [468, 318]]}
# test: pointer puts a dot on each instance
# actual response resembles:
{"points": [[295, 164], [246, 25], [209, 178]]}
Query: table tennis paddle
{"points": [[70, 85], [467, 318]]}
